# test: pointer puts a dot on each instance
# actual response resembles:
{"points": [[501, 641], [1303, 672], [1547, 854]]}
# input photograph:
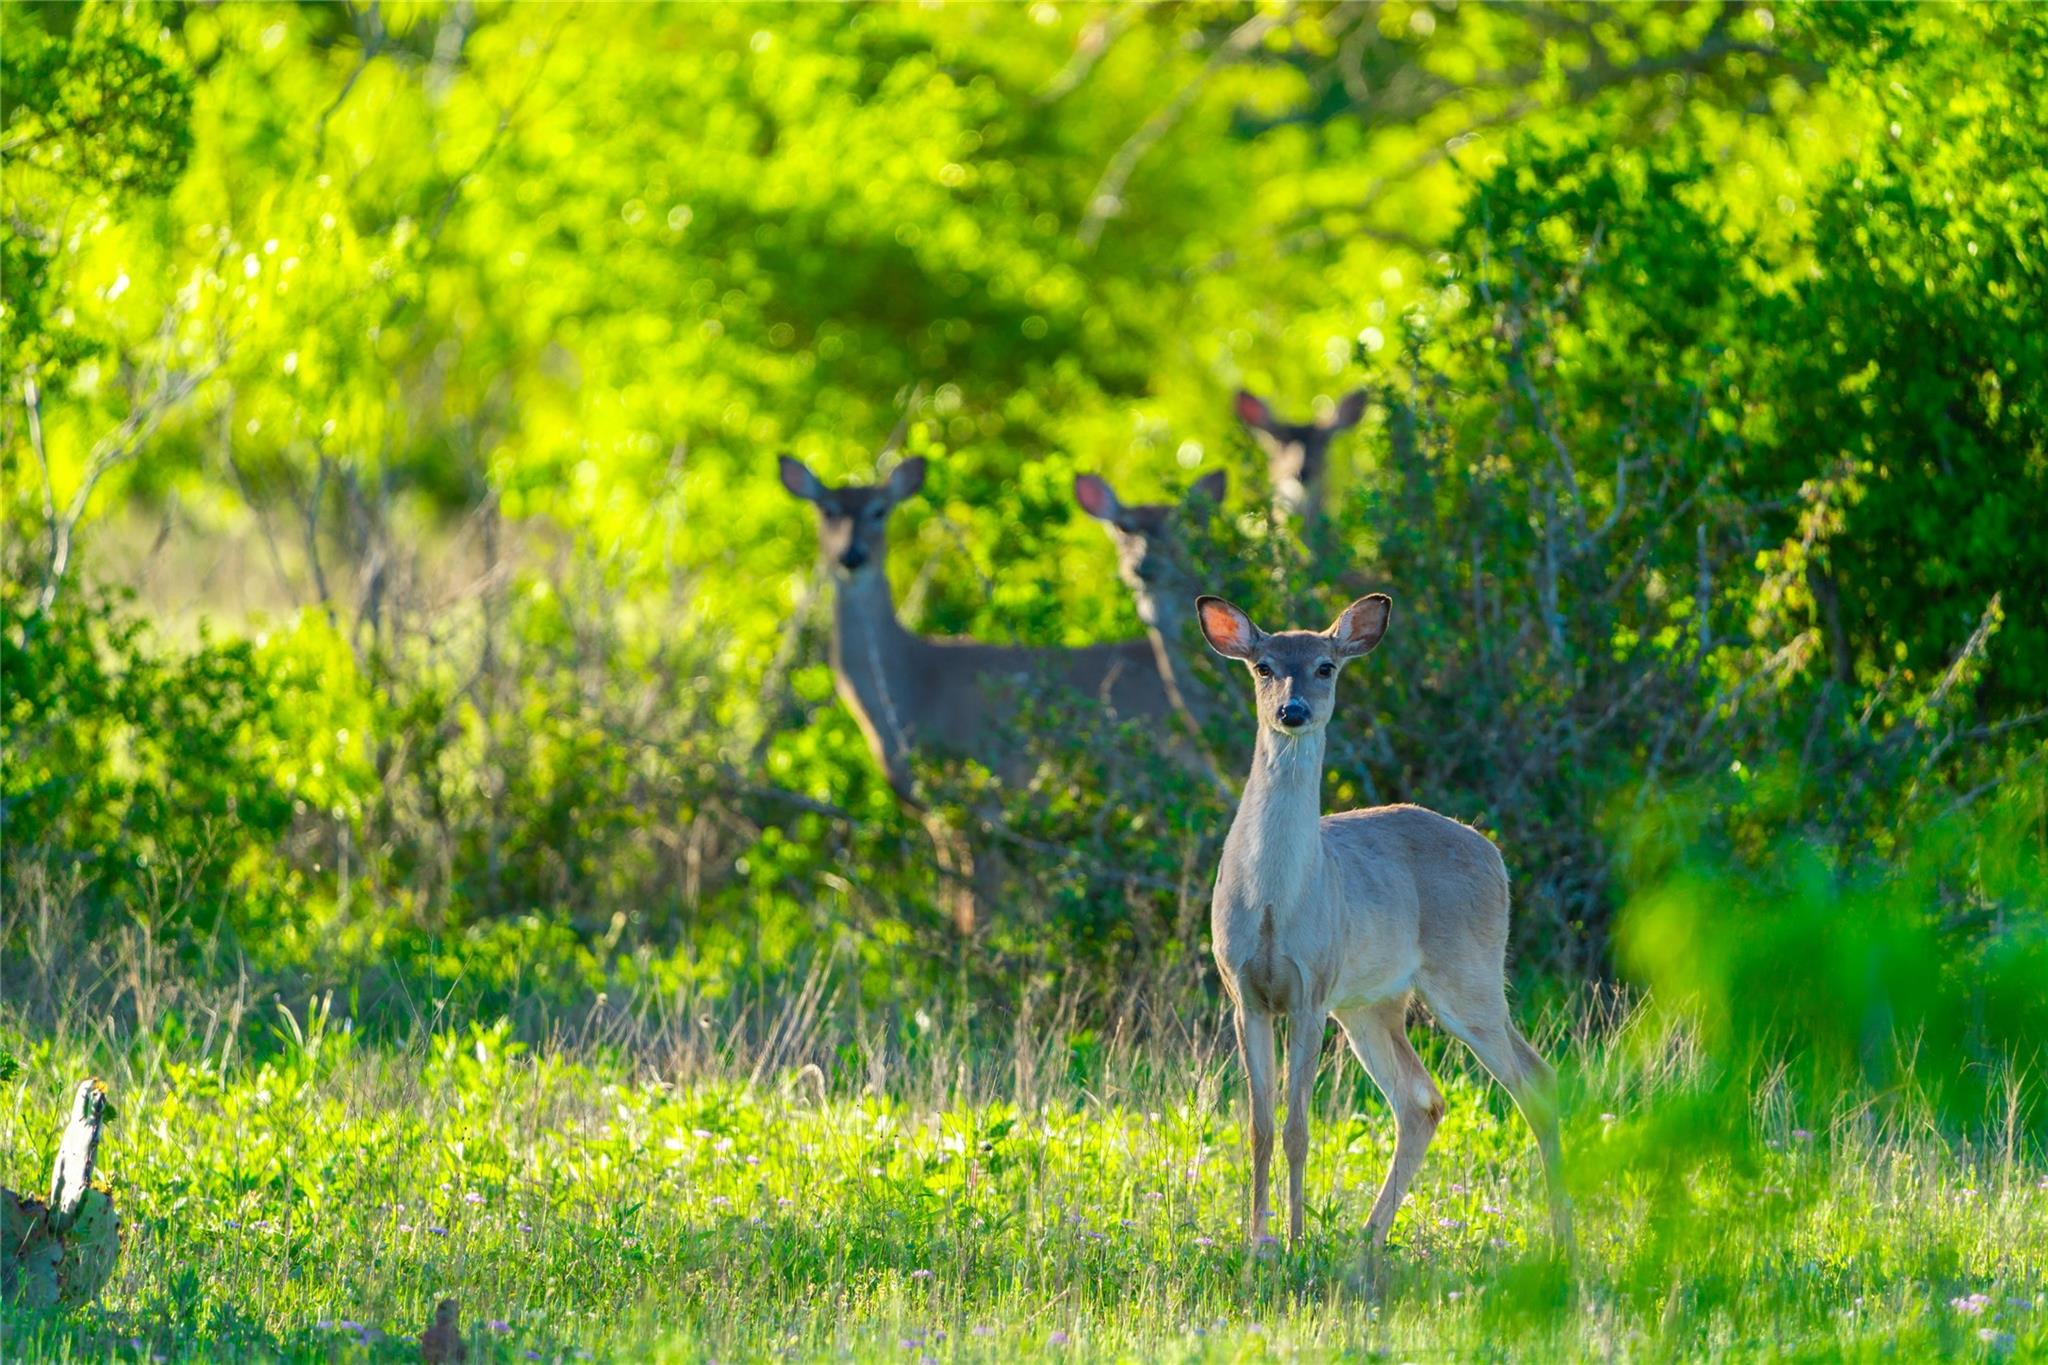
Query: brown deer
{"points": [[1298, 453], [914, 695], [1351, 916]]}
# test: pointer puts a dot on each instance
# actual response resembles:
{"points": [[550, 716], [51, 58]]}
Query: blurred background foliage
{"points": [[397, 579]]}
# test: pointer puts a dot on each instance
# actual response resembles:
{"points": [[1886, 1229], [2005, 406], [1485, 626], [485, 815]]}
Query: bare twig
{"points": [[1106, 201]]}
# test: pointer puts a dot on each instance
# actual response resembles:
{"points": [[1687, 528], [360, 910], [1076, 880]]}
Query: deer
{"points": [[914, 695], [1151, 560], [1298, 453], [1351, 916]]}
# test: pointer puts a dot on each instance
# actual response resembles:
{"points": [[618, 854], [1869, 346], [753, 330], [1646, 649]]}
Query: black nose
{"points": [[1293, 712], [854, 557]]}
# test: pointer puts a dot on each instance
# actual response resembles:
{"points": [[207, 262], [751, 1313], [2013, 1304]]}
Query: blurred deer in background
{"points": [[914, 695], [1351, 916], [1151, 558], [1298, 453]]}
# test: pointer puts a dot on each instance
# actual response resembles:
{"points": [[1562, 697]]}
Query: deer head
{"points": [[1297, 453], [853, 521], [1147, 535]]}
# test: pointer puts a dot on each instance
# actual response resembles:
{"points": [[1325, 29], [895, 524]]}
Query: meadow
{"points": [[682, 1180], [456, 455]]}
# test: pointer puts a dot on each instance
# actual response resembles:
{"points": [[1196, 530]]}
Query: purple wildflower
{"points": [[1973, 1304], [1058, 1337], [499, 1325]]}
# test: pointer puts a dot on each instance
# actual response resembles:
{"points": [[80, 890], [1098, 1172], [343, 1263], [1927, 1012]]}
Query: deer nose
{"points": [[854, 557], [1293, 713]]}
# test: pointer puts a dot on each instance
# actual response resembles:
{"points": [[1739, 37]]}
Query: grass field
{"points": [[669, 1184]]}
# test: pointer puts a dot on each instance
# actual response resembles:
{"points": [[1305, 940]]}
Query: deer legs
{"points": [[1255, 1050], [1304, 1046], [1379, 1038]]}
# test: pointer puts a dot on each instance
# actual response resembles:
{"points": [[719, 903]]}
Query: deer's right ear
{"points": [[1229, 631], [906, 478], [1252, 410], [1096, 497], [1361, 625], [798, 479]]}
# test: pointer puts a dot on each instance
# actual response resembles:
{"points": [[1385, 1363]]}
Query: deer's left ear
{"points": [[906, 478], [1350, 408], [1359, 627]]}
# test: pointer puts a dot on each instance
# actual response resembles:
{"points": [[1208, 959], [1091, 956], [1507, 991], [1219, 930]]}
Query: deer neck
{"points": [[1169, 624], [1275, 841], [870, 658]]}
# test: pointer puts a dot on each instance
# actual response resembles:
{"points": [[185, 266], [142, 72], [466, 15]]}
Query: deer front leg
{"points": [[1255, 1047], [1304, 1046]]}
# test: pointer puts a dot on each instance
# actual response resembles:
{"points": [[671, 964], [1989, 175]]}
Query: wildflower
{"points": [[472, 1198], [1973, 1304], [438, 1230], [719, 1201], [1607, 1118], [907, 1345], [1058, 1337], [499, 1325], [1153, 1195], [1802, 1134], [405, 1227], [1995, 1339], [526, 1227], [920, 1274], [233, 1224], [1205, 1241], [533, 1355], [700, 1133], [983, 1330], [722, 1145]]}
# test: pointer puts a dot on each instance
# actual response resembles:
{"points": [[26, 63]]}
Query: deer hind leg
{"points": [[1481, 1022], [1379, 1038], [1255, 1048]]}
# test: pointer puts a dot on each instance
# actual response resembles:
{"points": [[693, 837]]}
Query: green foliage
{"points": [[445, 351]]}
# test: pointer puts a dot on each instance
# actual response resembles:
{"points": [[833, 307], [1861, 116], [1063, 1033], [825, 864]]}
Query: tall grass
{"points": [[791, 1176]]}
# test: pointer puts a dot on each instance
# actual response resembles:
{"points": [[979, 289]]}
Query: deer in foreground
{"points": [[1351, 916], [914, 695], [1298, 453], [1151, 559]]}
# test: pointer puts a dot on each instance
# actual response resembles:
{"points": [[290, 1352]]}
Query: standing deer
{"points": [[1351, 915], [913, 695], [1151, 559], [1298, 453]]}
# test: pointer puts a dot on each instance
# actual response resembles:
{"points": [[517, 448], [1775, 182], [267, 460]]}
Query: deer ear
{"points": [[1096, 497], [798, 479], [1252, 411], [1350, 408], [1229, 631], [1209, 488], [1361, 625], [906, 478]]}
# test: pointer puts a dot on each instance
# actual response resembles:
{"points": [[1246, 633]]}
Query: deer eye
{"points": [[1326, 669], [1263, 670]]}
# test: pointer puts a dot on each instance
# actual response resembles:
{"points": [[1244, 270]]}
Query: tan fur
{"points": [[1351, 916]]}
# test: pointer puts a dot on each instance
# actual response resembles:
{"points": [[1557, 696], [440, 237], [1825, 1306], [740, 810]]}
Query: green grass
{"points": [[677, 1186]]}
